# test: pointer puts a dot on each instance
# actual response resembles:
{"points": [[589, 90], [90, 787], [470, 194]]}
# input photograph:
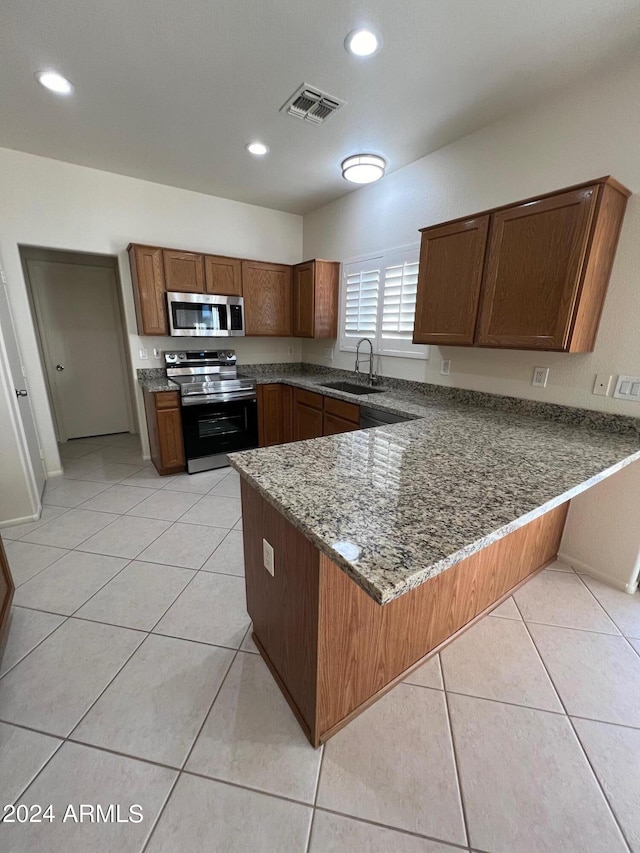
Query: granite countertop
{"points": [[157, 384], [396, 505]]}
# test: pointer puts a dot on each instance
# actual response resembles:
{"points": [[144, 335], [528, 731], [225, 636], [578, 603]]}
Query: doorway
{"points": [[79, 320]]}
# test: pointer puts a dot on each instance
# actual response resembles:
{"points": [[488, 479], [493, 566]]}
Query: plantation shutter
{"points": [[362, 285]]}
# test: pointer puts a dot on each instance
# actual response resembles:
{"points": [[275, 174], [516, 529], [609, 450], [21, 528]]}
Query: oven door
{"points": [[215, 429]]}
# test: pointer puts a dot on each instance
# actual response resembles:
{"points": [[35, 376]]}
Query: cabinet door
{"points": [[449, 279], [274, 414], [267, 298], [223, 275], [7, 589], [333, 424], [307, 421], [170, 438], [147, 274], [183, 271], [532, 275], [327, 287], [303, 300]]}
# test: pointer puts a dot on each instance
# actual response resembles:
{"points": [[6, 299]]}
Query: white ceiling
{"points": [[171, 90]]}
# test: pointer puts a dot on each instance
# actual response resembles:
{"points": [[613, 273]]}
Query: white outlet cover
{"points": [[328, 352], [445, 366], [540, 376], [267, 557], [602, 384], [143, 353]]}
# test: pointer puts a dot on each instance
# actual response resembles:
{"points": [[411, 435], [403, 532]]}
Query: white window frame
{"points": [[397, 349]]}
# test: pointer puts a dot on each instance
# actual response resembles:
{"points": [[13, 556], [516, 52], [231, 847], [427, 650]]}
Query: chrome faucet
{"points": [[372, 376]]}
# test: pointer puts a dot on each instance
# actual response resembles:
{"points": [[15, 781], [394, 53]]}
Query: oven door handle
{"points": [[232, 396]]}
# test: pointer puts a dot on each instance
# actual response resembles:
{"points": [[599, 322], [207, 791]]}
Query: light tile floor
{"points": [[130, 677]]}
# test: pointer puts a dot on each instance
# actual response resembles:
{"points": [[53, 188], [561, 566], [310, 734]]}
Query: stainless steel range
{"points": [[219, 411]]}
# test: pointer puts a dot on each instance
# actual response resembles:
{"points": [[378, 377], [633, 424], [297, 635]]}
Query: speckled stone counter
{"points": [[154, 379], [395, 506]]}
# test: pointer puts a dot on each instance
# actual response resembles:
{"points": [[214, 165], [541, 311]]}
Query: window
{"points": [[379, 302]]}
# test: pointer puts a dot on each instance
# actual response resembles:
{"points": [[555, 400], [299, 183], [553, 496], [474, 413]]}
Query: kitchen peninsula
{"points": [[387, 542]]}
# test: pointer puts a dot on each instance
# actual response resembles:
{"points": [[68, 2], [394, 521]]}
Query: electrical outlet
{"points": [[602, 384], [445, 366], [628, 388], [157, 353], [328, 352], [143, 353], [540, 376], [289, 350], [267, 557]]}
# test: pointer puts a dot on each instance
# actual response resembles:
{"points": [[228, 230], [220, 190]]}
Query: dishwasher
{"points": [[376, 417]]}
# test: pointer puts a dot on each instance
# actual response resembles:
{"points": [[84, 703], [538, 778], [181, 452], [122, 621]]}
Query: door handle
{"points": [[59, 366], [21, 393]]}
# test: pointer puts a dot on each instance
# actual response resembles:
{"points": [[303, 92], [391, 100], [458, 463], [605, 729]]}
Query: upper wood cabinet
{"points": [[147, 274], [267, 298], [183, 271], [544, 278], [449, 280], [223, 275], [315, 299]]}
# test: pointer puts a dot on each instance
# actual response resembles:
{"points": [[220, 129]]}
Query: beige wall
{"points": [[16, 501], [601, 534], [590, 131], [57, 205]]}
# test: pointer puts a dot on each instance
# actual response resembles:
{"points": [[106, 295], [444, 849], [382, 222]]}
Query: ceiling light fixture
{"points": [[363, 168], [54, 82], [362, 42], [258, 149]]}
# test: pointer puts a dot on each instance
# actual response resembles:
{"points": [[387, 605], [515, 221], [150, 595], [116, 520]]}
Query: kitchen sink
{"points": [[352, 388]]}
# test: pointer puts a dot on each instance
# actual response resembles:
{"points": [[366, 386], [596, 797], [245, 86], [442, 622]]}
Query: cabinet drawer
{"points": [[308, 398], [167, 400], [348, 411]]}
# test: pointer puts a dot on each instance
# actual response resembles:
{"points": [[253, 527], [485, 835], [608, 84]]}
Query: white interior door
{"points": [[81, 332], [17, 379]]}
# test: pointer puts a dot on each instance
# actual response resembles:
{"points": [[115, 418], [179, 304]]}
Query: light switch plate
{"points": [[602, 384], [628, 388], [445, 366], [143, 353], [267, 557], [540, 376]]}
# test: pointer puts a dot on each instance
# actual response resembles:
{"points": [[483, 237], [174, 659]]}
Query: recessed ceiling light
{"points": [[54, 82], [363, 168], [258, 149], [362, 42]]}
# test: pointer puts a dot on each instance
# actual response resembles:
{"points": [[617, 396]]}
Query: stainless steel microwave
{"points": [[203, 316]]}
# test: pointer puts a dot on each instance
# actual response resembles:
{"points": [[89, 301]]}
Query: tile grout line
{"points": [[576, 736], [323, 747], [622, 634], [195, 740], [456, 760], [453, 844]]}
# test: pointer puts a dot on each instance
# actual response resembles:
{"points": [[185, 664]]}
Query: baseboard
{"points": [[583, 568], [24, 520], [52, 475]]}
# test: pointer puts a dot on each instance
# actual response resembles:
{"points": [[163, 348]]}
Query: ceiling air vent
{"points": [[311, 104]]}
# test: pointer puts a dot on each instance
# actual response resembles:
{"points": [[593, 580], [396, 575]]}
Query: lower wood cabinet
{"points": [[274, 414], [307, 414], [7, 589], [315, 415], [165, 431]]}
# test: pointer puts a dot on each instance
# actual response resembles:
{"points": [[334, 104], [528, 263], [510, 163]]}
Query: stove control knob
{"points": [[171, 356], [182, 356]]}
